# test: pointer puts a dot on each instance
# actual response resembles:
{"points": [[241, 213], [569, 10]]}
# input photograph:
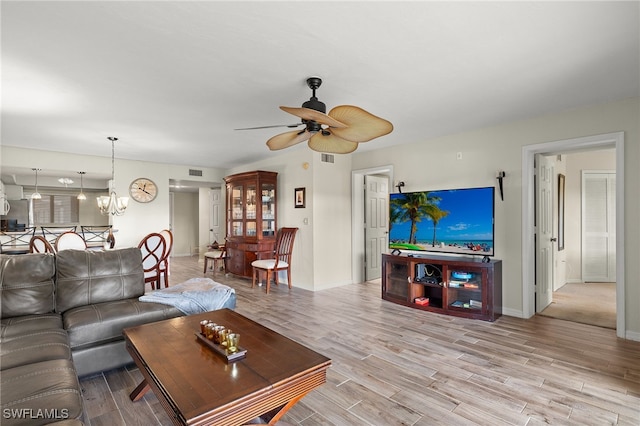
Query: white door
{"points": [[598, 227], [216, 217], [544, 231], [376, 223]]}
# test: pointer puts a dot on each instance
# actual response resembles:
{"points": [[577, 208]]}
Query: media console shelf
{"points": [[459, 286]]}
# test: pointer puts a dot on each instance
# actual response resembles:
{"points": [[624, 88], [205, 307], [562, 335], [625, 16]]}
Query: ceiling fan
{"points": [[338, 132]]}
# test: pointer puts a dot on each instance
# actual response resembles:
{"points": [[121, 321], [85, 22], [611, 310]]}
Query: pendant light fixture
{"points": [[112, 204], [36, 195], [81, 195]]}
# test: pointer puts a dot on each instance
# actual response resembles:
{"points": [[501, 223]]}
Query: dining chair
{"points": [[165, 263], [281, 260], [153, 247], [16, 242], [98, 236], [70, 240], [51, 233], [216, 256], [39, 244]]}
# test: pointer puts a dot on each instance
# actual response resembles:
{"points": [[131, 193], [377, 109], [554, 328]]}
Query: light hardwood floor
{"points": [[394, 365]]}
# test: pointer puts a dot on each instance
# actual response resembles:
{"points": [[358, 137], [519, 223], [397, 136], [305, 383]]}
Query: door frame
{"points": [[603, 141], [358, 254]]}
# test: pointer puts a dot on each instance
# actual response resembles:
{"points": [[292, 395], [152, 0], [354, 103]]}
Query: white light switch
{"points": [[305, 220]]}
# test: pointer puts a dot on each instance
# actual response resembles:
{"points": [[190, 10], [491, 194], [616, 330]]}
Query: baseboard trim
{"points": [[513, 313], [632, 335]]}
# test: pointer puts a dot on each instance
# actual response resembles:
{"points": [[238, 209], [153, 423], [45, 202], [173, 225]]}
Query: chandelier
{"points": [[112, 204]]}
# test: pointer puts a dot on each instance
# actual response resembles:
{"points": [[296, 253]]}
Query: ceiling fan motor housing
{"points": [[315, 104]]}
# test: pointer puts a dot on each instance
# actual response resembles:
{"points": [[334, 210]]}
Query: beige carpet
{"points": [[587, 303]]}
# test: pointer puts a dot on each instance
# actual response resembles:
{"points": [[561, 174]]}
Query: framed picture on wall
{"points": [[560, 212], [300, 198]]}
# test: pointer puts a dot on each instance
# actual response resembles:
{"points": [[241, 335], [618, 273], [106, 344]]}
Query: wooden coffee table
{"points": [[196, 386]]}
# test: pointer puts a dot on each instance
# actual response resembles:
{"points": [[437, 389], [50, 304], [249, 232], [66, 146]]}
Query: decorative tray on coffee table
{"points": [[222, 350]]}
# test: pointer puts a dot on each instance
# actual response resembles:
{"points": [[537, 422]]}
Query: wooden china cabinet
{"points": [[251, 219]]}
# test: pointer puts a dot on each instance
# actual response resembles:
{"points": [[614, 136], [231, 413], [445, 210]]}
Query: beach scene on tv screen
{"points": [[450, 221]]}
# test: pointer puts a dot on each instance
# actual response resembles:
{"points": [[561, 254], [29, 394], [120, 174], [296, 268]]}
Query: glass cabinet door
{"points": [[268, 191], [464, 289], [397, 280], [250, 211], [251, 202], [237, 211]]}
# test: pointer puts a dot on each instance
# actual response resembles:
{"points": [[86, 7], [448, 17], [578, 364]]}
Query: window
{"points": [[58, 209]]}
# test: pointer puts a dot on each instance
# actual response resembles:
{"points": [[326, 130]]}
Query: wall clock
{"points": [[143, 190]]}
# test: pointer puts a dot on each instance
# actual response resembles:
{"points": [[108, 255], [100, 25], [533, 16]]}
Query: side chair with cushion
{"points": [[164, 264], [70, 241], [39, 244], [153, 248], [281, 260], [216, 256]]}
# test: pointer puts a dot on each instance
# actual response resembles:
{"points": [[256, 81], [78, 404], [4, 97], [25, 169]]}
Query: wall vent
{"points": [[327, 158], [193, 172]]}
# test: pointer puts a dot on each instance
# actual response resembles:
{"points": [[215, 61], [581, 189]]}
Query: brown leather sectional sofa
{"points": [[62, 318]]}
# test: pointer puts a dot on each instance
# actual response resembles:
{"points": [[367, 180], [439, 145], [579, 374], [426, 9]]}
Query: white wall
{"points": [[433, 164], [331, 194], [185, 220]]}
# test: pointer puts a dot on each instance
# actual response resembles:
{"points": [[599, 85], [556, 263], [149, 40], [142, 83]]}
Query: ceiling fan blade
{"points": [[362, 126], [313, 115], [292, 126], [326, 142], [285, 140]]}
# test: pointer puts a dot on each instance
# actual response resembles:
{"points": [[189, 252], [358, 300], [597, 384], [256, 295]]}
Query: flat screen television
{"points": [[456, 221]]}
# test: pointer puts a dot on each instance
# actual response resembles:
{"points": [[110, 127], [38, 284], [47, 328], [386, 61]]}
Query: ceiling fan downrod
{"points": [[313, 102]]}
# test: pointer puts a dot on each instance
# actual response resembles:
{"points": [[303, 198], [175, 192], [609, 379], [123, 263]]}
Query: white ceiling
{"points": [[173, 79]]}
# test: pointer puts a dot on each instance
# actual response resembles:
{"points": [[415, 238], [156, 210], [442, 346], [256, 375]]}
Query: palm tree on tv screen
{"points": [[414, 207], [395, 215], [435, 215]]}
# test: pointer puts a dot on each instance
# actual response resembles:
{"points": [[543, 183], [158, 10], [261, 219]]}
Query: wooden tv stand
{"points": [[459, 286]]}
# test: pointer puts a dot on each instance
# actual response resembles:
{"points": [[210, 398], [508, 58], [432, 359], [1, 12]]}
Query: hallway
{"points": [[586, 303]]}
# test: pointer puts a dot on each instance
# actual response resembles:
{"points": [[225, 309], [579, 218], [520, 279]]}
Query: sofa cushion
{"points": [[40, 393], [26, 284], [103, 322], [37, 346], [17, 326], [85, 277]]}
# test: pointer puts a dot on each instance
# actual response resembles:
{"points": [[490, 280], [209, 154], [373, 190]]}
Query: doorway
{"points": [[583, 252], [612, 140]]}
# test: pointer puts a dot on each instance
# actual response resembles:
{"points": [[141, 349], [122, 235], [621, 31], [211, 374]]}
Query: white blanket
{"points": [[193, 296]]}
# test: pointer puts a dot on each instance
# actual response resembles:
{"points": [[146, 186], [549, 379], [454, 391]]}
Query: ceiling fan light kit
{"points": [[338, 132]]}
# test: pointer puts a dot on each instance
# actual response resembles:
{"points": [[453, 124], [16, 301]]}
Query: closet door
{"points": [[598, 226]]}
